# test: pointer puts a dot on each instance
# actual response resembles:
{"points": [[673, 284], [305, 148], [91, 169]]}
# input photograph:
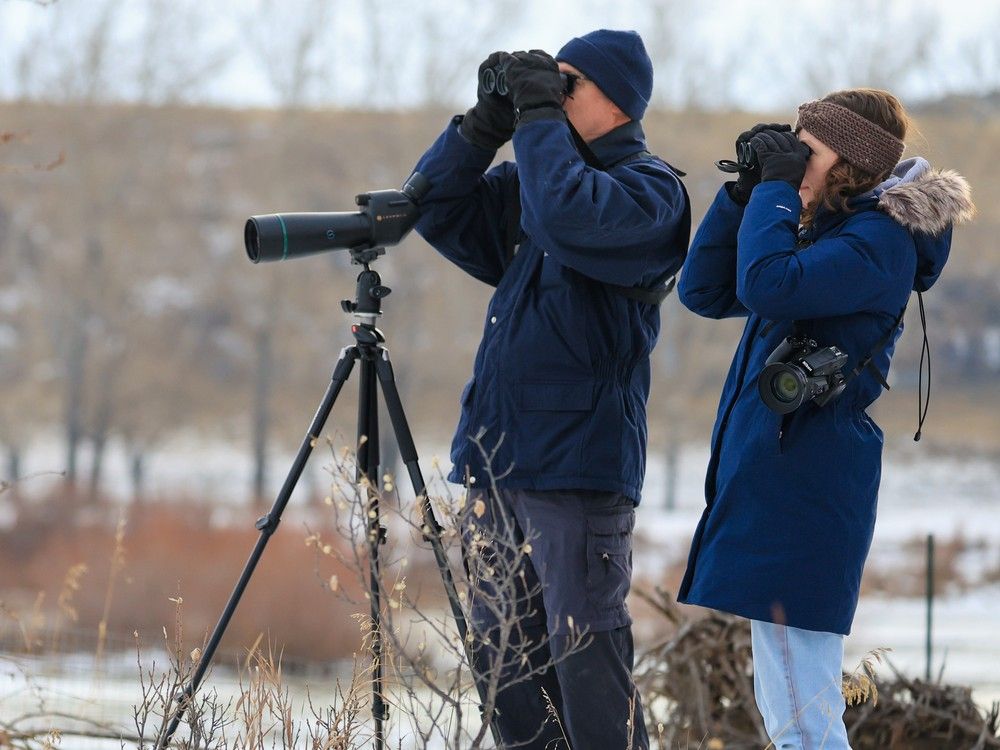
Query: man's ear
{"points": [[620, 118]]}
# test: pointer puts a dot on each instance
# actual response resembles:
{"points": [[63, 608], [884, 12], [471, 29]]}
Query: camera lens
{"points": [[785, 386]]}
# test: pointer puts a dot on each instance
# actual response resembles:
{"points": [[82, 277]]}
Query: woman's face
{"points": [[823, 157]]}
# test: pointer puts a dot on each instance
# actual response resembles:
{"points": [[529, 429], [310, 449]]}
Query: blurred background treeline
{"points": [[137, 137]]}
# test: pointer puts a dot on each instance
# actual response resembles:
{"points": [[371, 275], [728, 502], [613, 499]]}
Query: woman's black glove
{"points": [[782, 156], [748, 179], [490, 124], [534, 82]]}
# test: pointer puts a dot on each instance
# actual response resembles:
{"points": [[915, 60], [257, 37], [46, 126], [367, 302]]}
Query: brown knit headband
{"points": [[858, 140]]}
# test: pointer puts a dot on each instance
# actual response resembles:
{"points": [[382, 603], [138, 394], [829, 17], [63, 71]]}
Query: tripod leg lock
{"points": [[183, 698], [267, 524]]}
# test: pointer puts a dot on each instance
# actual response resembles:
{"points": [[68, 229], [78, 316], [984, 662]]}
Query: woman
{"points": [[824, 240]]}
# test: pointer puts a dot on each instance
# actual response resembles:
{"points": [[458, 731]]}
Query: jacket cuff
{"points": [[734, 195], [541, 113]]}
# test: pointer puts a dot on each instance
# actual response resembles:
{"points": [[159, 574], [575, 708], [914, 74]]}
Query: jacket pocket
{"points": [[609, 559]]}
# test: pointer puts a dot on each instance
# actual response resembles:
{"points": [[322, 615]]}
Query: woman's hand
{"points": [[782, 156], [749, 178]]}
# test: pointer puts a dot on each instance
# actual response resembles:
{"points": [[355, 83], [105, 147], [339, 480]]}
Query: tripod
{"points": [[376, 370]]}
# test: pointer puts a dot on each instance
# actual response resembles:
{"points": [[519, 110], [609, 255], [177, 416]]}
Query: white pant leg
{"points": [[797, 685]]}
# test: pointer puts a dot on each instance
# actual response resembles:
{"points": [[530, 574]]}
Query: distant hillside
{"points": [[131, 253]]}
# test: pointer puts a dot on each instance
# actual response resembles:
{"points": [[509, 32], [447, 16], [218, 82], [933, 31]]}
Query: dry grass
{"points": [[119, 579]]}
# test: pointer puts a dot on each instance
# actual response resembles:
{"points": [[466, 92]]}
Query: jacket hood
{"points": [[928, 202], [923, 199]]}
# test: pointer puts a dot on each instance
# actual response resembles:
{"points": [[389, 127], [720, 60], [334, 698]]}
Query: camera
{"points": [[799, 371], [384, 219]]}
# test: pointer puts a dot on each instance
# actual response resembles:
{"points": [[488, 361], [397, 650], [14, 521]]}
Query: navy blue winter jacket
{"points": [[790, 501], [561, 378]]}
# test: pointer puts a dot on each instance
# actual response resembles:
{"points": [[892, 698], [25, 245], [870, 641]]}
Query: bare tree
{"points": [[454, 42], [295, 61], [864, 54], [178, 51], [82, 72]]}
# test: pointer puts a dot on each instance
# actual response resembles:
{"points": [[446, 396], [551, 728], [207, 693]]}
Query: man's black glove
{"points": [[534, 83], [782, 156], [489, 124], [748, 179]]}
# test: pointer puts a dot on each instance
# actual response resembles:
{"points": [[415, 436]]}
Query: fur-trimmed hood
{"points": [[924, 199], [928, 202]]}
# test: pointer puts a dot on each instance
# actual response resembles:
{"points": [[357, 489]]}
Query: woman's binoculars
{"points": [[746, 159]]}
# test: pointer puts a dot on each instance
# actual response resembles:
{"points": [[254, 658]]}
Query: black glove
{"points": [[534, 82], [748, 179], [489, 124], [782, 156]]}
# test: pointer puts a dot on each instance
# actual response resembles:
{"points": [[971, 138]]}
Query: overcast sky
{"points": [[712, 53]]}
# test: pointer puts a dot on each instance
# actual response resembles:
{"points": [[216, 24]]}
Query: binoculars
{"points": [[746, 158], [494, 81]]}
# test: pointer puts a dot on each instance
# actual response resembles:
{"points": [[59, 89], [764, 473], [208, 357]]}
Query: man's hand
{"points": [[533, 81], [490, 123], [782, 156]]}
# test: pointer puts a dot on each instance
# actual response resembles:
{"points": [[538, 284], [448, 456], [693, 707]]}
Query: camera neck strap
{"points": [[867, 361], [514, 234], [923, 403]]}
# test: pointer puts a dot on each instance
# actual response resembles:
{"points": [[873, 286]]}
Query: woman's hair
{"points": [[845, 181]]}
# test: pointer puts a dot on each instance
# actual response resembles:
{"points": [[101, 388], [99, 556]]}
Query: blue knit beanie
{"points": [[618, 63]]}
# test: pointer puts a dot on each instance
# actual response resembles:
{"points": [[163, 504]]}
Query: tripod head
{"points": [[367, 304]]}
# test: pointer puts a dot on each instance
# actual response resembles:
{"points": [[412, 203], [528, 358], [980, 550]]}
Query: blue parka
{"points": [[791, 500], [561, 378]]}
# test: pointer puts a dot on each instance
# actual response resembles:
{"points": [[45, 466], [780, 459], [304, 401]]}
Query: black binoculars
{"points": [[746, 159], [494, 81]]}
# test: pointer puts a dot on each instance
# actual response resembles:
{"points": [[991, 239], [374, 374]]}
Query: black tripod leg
{"points": [[368, 464], [431, 528], [266, 525]]}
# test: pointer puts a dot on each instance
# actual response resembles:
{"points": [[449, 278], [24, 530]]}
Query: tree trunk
{"points": [[13, 473], [73, 404], [672, 463], [102, 428], [137, 474], [100, 444]]}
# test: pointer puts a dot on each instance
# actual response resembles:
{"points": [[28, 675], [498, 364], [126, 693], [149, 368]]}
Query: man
{"points": [[574, 245]]}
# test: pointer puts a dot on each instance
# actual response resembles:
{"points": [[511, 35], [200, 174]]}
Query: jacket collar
{"points": [[925, 201], [623, 141]]}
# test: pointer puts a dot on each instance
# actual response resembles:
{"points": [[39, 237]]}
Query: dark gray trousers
{"points": [[565, 656]]}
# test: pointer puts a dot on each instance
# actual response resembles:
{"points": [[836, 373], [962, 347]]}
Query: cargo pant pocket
{"points": [[609, 559]]}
